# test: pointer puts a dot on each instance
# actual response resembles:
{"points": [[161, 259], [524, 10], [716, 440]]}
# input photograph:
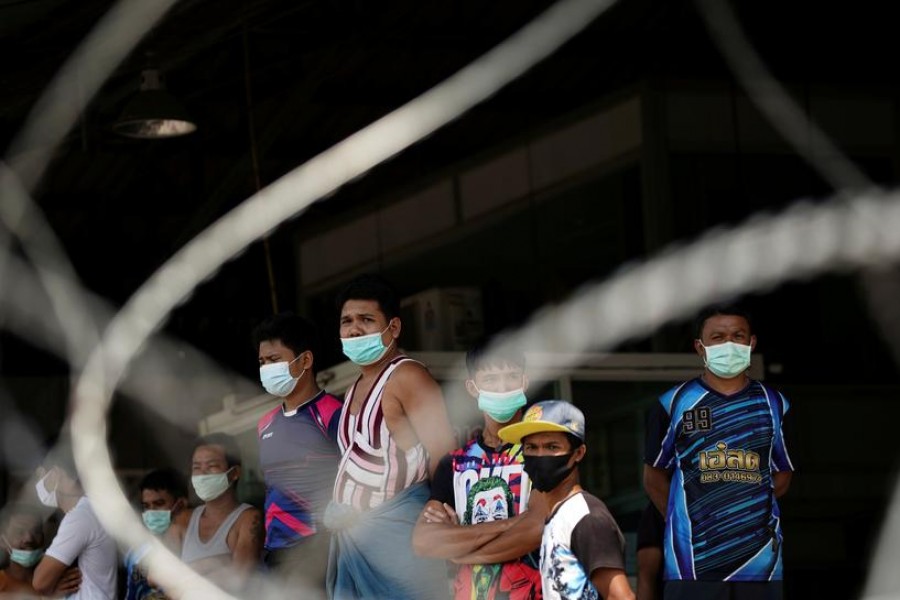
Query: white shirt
{"points": [[81, 537]]}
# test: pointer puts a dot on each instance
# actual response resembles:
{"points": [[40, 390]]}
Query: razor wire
{"points": [[144, 313], [845, 233], [880, 283], [52, 117]]}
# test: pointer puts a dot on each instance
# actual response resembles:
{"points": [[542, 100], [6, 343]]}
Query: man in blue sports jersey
{"points": [[166, 513], [716, 460]]}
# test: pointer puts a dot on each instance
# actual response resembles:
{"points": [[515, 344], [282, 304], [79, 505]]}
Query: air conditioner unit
{"points": [[442, 319]]}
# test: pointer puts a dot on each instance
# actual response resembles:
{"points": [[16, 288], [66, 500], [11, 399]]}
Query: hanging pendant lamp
{"points": [[153, 113]]}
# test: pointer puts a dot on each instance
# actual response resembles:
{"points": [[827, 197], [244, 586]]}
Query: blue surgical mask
{"points": [[277, 378], [211, 486], [25, 558], [366, 349], [157, 521], [727, 360], [501, 406]]}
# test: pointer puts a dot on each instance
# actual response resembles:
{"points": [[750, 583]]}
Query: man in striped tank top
{"points": [[392, 432]]}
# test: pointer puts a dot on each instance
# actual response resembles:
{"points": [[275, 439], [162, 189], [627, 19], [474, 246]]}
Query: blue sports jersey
{"points": [[137, 587], [723, 521]]}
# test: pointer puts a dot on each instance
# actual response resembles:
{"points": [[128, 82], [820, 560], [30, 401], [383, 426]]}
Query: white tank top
{"points": [[194, 550]]}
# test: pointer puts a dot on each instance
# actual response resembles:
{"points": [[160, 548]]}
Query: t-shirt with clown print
{"points": [[486, 484]]}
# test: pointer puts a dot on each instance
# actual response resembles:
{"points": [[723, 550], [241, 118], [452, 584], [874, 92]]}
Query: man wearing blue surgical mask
{"points": [[298, 452], [392, 432], [483, 513], [165, 512], [22, 538], [713, 443]]}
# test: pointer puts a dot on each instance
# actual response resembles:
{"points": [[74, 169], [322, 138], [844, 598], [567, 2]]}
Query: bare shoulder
{"points": [[249, 526], [412, 384], [411, 373], [250, 517], [183, 517], [412, 368], [174, 535]]}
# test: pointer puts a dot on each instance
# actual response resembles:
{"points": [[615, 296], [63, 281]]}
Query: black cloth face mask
{"points": [[547, 472]]}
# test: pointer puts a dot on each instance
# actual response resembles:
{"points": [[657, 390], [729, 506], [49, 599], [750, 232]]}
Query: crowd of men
{"points": [[370, 497]]}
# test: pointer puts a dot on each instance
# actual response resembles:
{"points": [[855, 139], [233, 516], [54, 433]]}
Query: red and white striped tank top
{"points": [[373, 468]]}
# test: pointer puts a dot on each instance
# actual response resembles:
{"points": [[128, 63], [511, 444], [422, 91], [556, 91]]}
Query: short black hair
{"points": [[16, 509], [165, 480], [370, 286], [732, 309], [227, 442], [481, 356], [295, 332], [575, 442]]}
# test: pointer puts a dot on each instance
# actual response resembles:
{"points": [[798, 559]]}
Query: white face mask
{"points": [[211, 486], [47, 497]]}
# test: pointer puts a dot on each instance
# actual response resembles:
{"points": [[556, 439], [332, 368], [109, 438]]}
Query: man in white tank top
{"points": [[223, 540], [393, 431]]}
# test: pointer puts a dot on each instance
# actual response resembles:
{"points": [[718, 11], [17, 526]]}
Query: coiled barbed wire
{"points": [[845, 233], [145, 312]]}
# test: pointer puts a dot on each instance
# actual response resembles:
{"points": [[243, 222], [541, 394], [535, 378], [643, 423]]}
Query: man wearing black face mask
{"points": [[582, 551]]}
